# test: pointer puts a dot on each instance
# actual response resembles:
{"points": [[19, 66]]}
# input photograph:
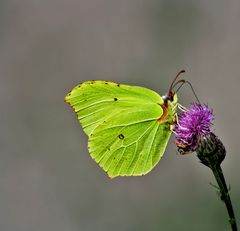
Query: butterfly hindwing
{"points": [[129, 150]]}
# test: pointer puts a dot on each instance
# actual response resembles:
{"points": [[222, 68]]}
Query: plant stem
{"points": [[217, 172]]}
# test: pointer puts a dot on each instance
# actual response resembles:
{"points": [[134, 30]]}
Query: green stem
{"points": [[217, 172]]}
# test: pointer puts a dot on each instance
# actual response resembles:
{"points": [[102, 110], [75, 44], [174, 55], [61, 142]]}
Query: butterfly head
{"points": [[170, 97]]}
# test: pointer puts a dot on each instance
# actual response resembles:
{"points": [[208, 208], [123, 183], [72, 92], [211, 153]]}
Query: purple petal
{"points": [[191, 125]]}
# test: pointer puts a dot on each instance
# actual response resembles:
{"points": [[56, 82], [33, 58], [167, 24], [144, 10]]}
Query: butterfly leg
{"points": [[177, 121], [181, 107]]}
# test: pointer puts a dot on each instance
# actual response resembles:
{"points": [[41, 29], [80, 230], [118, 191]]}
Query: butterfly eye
{"points": [[171, 96]]}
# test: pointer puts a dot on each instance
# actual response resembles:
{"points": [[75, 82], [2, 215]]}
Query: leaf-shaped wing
{"points": [[126, 137]]}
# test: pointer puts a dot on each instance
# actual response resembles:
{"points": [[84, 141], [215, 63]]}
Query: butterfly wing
{"points": [[126, 137]]}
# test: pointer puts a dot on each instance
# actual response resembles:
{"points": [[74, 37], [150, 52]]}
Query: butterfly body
{"points": [[128, 126]]}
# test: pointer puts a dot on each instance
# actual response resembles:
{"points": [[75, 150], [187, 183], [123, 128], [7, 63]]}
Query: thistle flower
{"points": [[193, 133], [192, 125]]}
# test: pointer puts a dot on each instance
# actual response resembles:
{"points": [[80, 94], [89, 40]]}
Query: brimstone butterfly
{"points": [[128, 126]]}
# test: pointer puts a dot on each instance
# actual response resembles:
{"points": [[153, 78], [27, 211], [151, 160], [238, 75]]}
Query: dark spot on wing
{"points": [[121, 136], [118, 85], [106, 82], [115, 99]]}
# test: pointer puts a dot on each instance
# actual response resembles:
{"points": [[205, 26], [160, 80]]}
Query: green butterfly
{"points": [[128, 126]]}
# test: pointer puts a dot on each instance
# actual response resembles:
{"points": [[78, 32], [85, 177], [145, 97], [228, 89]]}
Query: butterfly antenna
{"points": [[173, 82], [182, 82]]}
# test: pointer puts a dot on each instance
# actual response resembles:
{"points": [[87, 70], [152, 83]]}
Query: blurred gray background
{"points": [[47, 179]]}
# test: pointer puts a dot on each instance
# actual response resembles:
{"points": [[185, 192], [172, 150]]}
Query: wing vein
{"points": [[113, 159], [91, 105], [149, 152], [120, 161], [139, 154], [133, 123]]}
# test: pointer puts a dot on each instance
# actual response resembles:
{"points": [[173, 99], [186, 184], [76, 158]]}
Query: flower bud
{"points": [[210, 150]]}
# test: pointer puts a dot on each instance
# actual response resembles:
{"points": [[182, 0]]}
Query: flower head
{"points": [[191, 126]]}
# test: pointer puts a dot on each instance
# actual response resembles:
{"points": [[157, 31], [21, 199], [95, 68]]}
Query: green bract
{"points": [[128, 126]]}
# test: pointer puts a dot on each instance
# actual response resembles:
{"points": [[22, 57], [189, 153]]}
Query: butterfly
{"points": [[128, 126]]}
